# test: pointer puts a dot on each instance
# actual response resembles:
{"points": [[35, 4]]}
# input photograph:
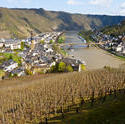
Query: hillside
{"points": [[115, 29], [19, 22], [39, 99], [110, 112]]}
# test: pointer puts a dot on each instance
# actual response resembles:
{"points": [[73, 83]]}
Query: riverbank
{"points": [[118, 55], [94, 57]]}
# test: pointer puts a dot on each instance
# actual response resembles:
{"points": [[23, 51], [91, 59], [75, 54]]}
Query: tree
{"points": [[2, 73], [42, 42], [62, 67], [29, 72], [51, 41], [53, 68], [10, 57], [61, 39], [69, 68], [22, 45]]}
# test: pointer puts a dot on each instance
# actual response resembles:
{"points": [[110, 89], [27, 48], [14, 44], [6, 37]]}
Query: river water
{"points": [[95, 58]]}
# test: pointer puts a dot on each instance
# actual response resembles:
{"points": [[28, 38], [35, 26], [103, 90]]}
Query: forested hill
{"points": [[19, 22], [115, 29]]}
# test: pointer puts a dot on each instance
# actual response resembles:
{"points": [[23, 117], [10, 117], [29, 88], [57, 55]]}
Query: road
{"points": [[95, 58]]}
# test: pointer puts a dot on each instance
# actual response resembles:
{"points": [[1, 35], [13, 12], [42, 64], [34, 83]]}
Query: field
{"points": [[42, 98]]}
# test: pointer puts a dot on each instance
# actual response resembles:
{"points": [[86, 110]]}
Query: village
{"points": [[113, 44], [37, 54]]}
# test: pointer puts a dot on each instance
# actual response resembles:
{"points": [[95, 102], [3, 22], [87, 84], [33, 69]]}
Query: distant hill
{"points": [[19, 22], [115, 29]]}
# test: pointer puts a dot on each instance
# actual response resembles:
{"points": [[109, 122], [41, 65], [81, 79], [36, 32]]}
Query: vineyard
{"points": [[37, 100]]}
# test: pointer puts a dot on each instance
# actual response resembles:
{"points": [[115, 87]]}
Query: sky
{"points": [[103, 7]]}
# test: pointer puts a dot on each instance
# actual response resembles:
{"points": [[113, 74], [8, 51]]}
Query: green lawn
{"points": [[7, 56], [112, 113]]}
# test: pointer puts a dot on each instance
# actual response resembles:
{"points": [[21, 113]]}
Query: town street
{"points": [[95, 58]]}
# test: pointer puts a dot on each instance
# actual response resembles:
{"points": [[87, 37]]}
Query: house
{"points": [[13, 44], [52, 64], [8, 66], [18, 72], [119, 48], [76, 64], [123, 51], [47, 48], [1, 44], [39, 69]]}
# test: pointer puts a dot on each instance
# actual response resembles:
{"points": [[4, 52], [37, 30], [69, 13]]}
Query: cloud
{"points": [[123, 5], [74, 2], [11, 1], [18, 1], [122, 9], [122, 12], [106, 3]]}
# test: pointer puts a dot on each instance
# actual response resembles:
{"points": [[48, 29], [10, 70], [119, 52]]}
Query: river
{"points": [[95, 58]]}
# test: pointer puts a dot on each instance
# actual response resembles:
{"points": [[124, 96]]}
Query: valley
{"points": [[58, 67]]}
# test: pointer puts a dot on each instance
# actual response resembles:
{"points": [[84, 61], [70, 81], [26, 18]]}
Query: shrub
{"points": [[42, 42], [61, 39], [22, 45], [83, 67], [69, 68], [62, 67], [51, 41], [108, 68], [2, 73], [53, 68], [29, 72]]}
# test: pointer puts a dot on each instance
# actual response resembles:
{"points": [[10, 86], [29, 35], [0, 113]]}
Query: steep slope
{"points": [[115, 29], [19, 22], [89, 97]]}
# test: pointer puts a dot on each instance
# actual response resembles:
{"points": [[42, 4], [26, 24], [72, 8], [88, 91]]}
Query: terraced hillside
{"points": [[37, 100], [19, 22]]}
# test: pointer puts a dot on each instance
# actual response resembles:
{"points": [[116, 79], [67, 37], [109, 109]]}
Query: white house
{"points": [[52, 64], [10, 65], [19, 72], [123, 51], [34, 54], [1, 44], [119, 48], [49, 50], [13, 44]]}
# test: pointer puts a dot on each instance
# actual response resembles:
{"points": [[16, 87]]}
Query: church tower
{"points": [[32, 41]]}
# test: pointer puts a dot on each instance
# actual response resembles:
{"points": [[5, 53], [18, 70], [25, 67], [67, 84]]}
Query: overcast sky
{"points": [[107, 7]]}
